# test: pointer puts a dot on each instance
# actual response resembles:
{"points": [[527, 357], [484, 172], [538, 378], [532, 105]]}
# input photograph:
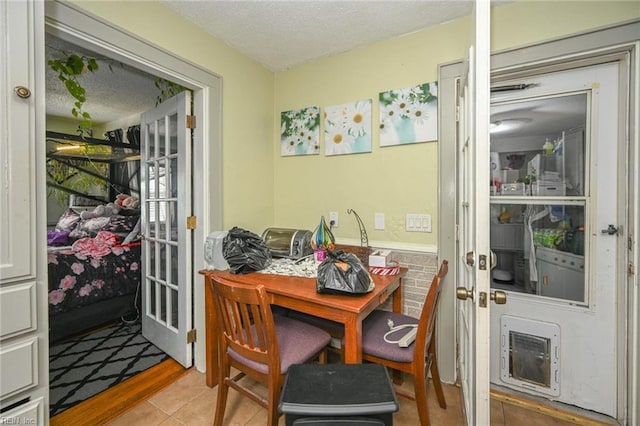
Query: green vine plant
{"points": [[167, 89], [69, 68]]}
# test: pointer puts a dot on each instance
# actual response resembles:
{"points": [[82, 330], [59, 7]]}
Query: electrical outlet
{"points": [[333, 217]]}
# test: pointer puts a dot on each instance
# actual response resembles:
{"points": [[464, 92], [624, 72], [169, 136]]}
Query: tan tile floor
{"points": [[189, 401]]}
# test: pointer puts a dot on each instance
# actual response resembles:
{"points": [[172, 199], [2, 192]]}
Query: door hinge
{"points": [[192, 222], [630, 270], [457, 113], [191, 121], [191, 336]]}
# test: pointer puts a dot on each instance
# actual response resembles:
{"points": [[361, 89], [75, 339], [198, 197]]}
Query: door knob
{"points": [[611, 230], [22, 92], [500, 297], [463, 293]]}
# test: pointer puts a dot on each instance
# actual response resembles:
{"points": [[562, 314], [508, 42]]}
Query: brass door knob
{"points": [[463, 293], [500, 297], [22, 92]]}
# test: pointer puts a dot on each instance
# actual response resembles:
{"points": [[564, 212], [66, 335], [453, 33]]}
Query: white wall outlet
{"points": [[333, 217], [418, 223], [378, 222]]}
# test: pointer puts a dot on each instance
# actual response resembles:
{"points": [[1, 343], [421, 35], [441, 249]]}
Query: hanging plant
{"points": [[167, 89], [69, 68]]}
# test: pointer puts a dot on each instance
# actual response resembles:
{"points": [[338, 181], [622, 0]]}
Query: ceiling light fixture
{"points": [[508, 124], [67, 147]]}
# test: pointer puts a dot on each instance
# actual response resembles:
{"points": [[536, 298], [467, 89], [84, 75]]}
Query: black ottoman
{"points": [[338, 394]]}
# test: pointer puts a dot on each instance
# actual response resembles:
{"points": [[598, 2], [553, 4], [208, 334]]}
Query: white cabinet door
{"points": [[23, 281], [17, 129]]}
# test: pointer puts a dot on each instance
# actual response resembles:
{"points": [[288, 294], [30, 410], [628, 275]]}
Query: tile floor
{"points": [[189, 401]]}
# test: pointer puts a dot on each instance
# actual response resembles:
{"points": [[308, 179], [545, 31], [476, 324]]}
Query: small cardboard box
{"points": [[379, 258]]}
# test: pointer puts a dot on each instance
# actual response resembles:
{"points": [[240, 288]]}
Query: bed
{"points": [[94, 272], [95, 248]]}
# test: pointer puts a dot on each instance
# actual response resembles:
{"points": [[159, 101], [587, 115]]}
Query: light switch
{"points": [[418, 223], [379, 221]]}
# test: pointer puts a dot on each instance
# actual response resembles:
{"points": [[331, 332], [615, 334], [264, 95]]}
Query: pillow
{"points": [[117, 224], [68, 220], [120, 224], [57, 238], [89, 227]]}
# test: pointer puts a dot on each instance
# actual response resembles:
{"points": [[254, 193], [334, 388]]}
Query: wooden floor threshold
{"points": [[113, 402], [546, 409]]}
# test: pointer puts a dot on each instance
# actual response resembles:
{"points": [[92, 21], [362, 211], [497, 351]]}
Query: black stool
{"points": [[338, 394]]}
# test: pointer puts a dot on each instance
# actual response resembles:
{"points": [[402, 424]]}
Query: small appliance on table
{"points": [[289, 243]]}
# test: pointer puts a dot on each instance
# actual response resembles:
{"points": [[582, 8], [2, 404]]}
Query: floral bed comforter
{"points": [[92, 269]]}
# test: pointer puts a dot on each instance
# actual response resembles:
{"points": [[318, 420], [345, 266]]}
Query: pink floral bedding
{"points": [[92, 269]]}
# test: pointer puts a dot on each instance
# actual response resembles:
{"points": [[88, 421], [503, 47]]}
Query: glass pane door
{"points": [[166, 200], [540, 196]]}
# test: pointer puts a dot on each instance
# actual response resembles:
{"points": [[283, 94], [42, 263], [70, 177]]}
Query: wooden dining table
{"points": [[298, 293]]}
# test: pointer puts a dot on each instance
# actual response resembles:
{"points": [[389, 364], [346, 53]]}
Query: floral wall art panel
{"points": [[300, 132], [409, 115], [347, 128]]}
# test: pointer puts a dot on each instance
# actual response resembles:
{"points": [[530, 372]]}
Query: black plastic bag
{"points": [[245, 251], [343, 273]]}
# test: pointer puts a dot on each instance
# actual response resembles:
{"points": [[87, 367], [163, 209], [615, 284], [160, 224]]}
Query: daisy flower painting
{"points": [[409, 115], [347, 128], [300, 132]]}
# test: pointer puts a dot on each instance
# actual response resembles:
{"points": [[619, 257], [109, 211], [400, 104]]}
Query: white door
{"points": [[166, 206], [565, 271], [473, 216]]}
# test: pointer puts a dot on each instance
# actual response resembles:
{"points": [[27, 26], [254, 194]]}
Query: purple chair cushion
{"points": [[297, 343], [375, 326]]}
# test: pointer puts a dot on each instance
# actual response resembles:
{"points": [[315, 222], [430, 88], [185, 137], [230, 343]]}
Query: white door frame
{"points": [[74, 24], [592, 47]]}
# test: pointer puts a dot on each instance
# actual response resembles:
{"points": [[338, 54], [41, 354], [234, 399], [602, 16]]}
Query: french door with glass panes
{"points": [[166, 205]]}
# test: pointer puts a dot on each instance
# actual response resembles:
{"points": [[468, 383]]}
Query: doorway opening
{"points": [[73, 24], [95, 255]]}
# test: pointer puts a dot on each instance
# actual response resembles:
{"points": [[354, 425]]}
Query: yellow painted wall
{"points": [[247, 90], [401, 179]]}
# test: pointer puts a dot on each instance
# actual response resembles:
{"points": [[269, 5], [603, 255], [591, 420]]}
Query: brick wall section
{"points": [[422, 268]]}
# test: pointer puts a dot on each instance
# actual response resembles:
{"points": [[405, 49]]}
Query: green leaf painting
{"points": [[300, 132], [409, 115]]}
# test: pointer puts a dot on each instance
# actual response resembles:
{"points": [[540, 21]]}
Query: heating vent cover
{"points": [[530, 355]]}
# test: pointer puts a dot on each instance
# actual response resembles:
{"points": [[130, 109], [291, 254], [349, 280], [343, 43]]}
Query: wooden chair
{"points": [[419, 357], [259, 344]]}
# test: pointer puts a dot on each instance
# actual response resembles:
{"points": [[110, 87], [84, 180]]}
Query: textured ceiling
{"points": [[115, 91], [282, 34]]}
